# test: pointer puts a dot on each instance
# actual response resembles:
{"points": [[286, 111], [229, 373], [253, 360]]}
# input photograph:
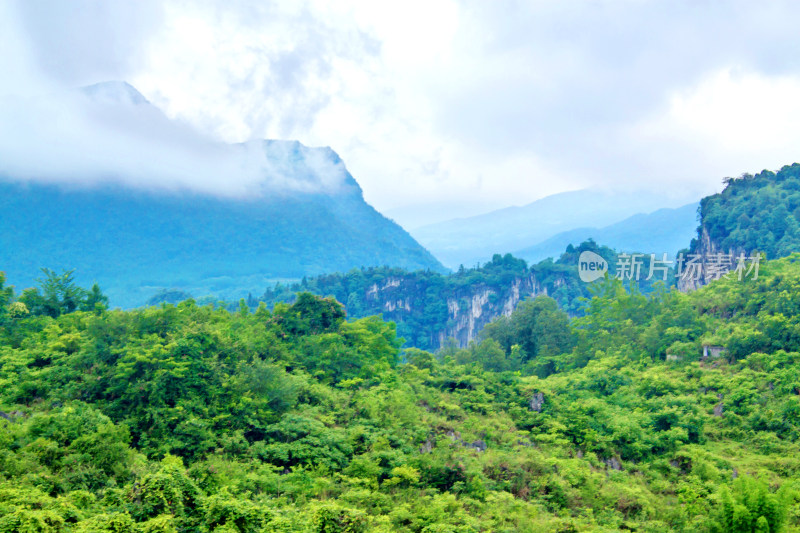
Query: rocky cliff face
{"points": [[709, 251], [467, 310], [468, 313], [753, 216]]}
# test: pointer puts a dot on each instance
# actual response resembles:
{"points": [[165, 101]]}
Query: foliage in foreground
{"points": [[189, 418]]}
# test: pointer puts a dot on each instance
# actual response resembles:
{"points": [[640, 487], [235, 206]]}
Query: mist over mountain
{"points": [[110, 133], [139, 203], [475, 239], [663, 231]]}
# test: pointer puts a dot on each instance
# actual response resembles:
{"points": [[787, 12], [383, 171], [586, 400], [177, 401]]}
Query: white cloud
{"points": [[731, 121], [112, 134], [753, 114], [439, 103]]}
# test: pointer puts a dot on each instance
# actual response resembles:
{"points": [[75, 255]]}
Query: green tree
{"points": [[94, 300], [752, 507], [537, 326]]}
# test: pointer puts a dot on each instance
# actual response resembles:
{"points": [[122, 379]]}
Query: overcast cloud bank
{"points": [[444, 107]]}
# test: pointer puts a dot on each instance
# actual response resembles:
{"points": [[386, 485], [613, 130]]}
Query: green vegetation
{"points": [[424, 314], [755, 213], [136, 244], [59, 295], [365, 292], [190, 418]]}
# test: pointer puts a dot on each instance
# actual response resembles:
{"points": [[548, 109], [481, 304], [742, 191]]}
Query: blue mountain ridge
{"points": [[134, 243], [475, 239], [303, 215], [666, 230]]}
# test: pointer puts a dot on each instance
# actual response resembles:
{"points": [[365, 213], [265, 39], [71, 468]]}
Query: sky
{"points": [[441, 108]]}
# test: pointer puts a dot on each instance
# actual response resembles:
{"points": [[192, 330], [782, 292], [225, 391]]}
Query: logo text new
{"points": [[591, 266]]}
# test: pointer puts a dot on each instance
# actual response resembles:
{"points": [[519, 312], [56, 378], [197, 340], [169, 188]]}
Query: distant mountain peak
{"points": [[160, 205], [292, 167], [115, 92], [108, 133]]}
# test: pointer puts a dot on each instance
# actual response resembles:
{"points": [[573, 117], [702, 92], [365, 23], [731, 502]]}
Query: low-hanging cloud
{"points": [[445, 107], [79, 42], [108, 132]]}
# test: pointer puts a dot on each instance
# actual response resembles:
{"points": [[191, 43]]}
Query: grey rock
{"points": [[427, 446], [478, 445], [537, 400]]}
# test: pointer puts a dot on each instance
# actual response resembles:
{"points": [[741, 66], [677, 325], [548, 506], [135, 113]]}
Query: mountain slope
{"points": [[760, 212], [665, 230], [753, 214], [261, 211], [475, 239], [134, 242]]}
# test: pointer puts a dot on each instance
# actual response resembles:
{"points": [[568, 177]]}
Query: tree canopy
{"points": [[195, 418]]}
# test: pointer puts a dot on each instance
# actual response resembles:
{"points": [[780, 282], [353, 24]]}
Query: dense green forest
{"points": [[755, 213], [194, 418], [427, 292], [142, 242]]}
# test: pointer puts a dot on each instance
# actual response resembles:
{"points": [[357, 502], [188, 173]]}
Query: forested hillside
{"points": [[302, 214], [754, 213], [190, 418], [429, 307]]}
